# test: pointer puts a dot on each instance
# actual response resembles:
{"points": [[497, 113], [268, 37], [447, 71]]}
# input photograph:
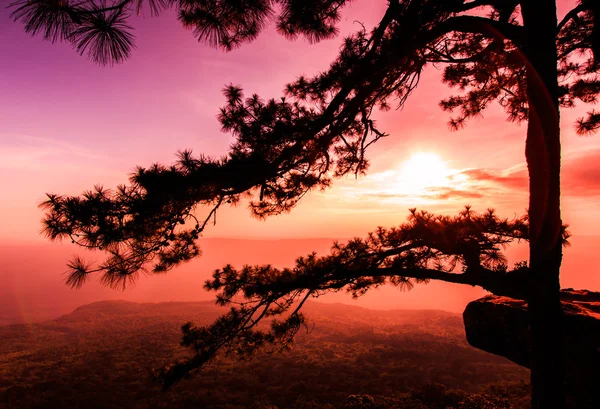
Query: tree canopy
{"points": [[426, 247], [100, 29], [514, 52], [318, 131]]}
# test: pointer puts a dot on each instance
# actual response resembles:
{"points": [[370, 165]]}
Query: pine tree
{"points": [[517, 54]]}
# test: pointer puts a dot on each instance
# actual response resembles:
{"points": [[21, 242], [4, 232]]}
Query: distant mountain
{"points": [[100, 355], [33, 289]]}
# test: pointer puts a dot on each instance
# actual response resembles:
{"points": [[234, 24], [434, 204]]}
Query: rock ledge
{"points": [[499, 325]]}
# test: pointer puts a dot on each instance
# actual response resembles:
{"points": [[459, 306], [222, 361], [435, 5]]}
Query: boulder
{"points": [[500, 325]]}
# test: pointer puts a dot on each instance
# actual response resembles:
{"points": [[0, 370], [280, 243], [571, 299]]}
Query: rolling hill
{"points": [[101, 354]]}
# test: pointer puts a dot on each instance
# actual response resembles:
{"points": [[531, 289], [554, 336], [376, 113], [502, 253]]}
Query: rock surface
{"points": [[499, 325]]}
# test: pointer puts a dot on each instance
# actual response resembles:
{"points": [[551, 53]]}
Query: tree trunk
{"points": [[543, 162]]}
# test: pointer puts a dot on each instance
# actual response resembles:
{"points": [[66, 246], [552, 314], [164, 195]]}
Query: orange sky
{"points": [[66, 125]]}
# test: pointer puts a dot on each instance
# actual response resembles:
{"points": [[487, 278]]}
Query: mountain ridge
{"points": [[100, 356]]}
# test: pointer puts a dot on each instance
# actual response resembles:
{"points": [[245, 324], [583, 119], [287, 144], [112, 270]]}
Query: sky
{"points": [[67, 124]]}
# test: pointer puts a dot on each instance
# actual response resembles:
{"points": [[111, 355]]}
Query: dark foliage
{"points": [[99, 28], [427, 247], [319, 131]]}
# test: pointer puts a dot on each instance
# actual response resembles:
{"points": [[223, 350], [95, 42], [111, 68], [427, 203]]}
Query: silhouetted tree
{"points": [[426, 247], [518, 54]]}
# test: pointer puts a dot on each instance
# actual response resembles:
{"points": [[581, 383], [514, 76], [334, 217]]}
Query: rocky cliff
{"points": [[499, 325]]}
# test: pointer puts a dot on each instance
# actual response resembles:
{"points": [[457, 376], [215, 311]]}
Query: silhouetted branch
{"points": [[588, 124], [470, 5], [480, 25], [285, 148], [572, 14], [426, 247]]}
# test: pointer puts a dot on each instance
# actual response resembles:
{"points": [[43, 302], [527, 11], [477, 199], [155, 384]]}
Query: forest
{"points": [[102, 354]]}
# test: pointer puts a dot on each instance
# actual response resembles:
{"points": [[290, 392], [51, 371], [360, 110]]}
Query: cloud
{"points": [[581, 173], [433, 193], [499, 187], [31, 152], [449, 193], [513, 178], [580, 176]]}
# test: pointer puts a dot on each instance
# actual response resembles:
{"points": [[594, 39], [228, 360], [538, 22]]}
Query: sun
{"points": [[422, 171]]}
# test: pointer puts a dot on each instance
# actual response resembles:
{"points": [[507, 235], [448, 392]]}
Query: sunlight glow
{"points": [[422, 178], [422, 171]]}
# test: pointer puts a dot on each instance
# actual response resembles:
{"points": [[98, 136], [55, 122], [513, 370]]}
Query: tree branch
{"points": [[119, 6], [445, 58], [466, 6], [585, 5], [479, 25]]}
